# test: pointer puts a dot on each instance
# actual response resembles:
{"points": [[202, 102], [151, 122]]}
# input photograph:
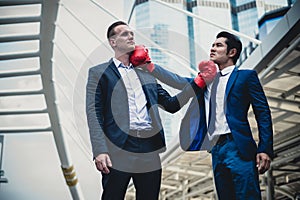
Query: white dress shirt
{"points": [[221, 122], [139, 118]]}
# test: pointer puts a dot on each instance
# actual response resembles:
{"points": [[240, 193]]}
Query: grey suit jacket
{"points": [[108, 111]]}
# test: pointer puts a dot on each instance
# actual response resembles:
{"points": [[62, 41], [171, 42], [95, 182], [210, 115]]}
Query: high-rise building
{"points": [[244, 19], [164, 34], [269, 13], [216, 12], [268, 21], [240, 15], [166, 37]]}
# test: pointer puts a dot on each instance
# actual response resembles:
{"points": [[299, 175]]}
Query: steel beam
{"points": [[282, 70], [290, 92], [19, 56], [19, 38], [19, 2], [47, 32], [19, 93], [23, 112], [23, 73], [18, 20], [32, 130]]}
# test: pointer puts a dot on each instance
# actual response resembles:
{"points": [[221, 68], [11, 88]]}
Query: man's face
{"points": [[123, 40], [218, 51]]}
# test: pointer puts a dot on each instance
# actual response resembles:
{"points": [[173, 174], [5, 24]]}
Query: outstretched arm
{"points": [[173, 104], [170, 78], [141, 58]]}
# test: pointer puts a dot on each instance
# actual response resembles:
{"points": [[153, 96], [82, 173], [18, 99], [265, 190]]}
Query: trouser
{"points": [[143, 168], [235, 177], [115, 184]]}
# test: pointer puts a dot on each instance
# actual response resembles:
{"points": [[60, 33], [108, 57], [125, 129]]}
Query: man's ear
{"points": [[232, 52], [112, 41]]}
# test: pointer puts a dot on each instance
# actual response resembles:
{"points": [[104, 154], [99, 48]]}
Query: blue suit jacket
{"points": [[107, 108], [243, 89]]}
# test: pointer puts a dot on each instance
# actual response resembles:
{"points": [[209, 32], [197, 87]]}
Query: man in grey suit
{"points": [[123, 118]]}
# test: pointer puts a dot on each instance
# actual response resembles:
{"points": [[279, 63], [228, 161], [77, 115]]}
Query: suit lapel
{"points": [[231, 80], [114, 68]]}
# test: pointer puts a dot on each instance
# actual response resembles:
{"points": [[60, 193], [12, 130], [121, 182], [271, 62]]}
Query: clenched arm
{"points": [[264, 122]]}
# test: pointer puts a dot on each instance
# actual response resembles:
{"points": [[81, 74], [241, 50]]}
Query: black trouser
{"points": [[115, 184], [143, 168]]}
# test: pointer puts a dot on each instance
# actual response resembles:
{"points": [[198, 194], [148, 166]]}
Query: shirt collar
{"points": [[227, 70], [118, 64]]}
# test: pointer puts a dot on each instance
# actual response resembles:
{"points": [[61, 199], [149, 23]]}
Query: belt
{"points": [[224, 137], [141, 133]]}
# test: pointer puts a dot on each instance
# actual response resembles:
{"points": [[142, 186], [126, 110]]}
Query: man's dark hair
{"points": [[111, 28], [233, 42]]}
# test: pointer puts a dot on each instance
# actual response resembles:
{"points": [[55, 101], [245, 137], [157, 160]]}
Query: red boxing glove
{"points": [[140, 56], [208, 71]]}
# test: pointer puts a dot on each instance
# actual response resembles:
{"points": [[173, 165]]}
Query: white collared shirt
{"points": [[221, 122], [139, 118]]}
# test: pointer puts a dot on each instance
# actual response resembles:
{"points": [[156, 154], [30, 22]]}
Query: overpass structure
{"points": [[43, 69]]}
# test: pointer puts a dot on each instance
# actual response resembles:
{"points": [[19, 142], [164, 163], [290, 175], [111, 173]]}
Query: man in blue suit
{"points": [[122, 112], [217, 119]]}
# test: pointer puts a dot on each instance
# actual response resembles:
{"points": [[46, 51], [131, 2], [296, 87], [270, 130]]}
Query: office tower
{"points": [[216, 12], [164, 32], [239, 15], [244, 19], [269, 13]]}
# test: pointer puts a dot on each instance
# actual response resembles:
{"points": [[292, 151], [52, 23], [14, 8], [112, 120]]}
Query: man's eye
{"points": [[126, 34]]}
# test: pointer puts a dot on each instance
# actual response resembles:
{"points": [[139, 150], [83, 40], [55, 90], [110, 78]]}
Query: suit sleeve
{"points": [[262, 115], [174, 103], [170, 78], [94, 111]]}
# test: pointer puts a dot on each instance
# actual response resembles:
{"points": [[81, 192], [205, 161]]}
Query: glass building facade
{"points": [[166, 37]]}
